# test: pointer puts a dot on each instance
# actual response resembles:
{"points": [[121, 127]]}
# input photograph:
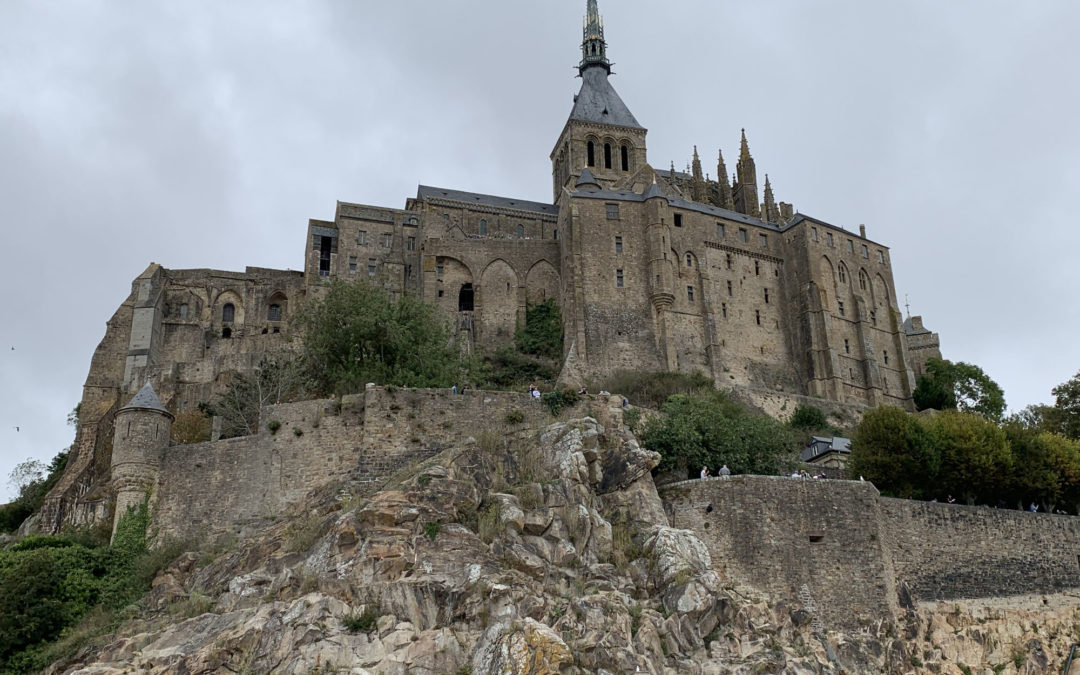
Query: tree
{"points": [[808, 418], [892, 449], [1064, 416], [1046, 467], [277, 379], [358, 333], [711, 429], [976, 460], [959, 386], [542, 334]]}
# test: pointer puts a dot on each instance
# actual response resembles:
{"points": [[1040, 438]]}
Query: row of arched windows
{"points": [[623, 154]]}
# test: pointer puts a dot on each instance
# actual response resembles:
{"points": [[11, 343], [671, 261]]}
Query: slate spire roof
{"points": [[597, 101], [146, 399]]}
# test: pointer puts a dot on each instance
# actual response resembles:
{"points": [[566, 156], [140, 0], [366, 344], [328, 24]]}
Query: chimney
{"points": [[862, 231]]}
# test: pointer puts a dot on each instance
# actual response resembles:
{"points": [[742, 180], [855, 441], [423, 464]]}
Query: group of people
{"points": [[722, 471], [802, 473], [534, 392]]}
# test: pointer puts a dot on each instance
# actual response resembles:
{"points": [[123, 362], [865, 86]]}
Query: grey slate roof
{"points": [[822, 445], [586, 178], [597, 102], [146, 399], [677, 202], [428, 193]]}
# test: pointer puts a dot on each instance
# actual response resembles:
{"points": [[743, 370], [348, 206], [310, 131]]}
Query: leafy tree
{"points": [[358, 333], [33, 480], [809, 418], [711, 429], [1064, 416], [959, 386], [1046, 467], [976, 460], [893, 450], [542, 334]]}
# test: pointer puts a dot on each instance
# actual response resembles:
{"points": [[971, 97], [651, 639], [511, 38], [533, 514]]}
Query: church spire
{"points": [[745, 189], [770, 211], [726, 201], [698, 188], [593, 47]]}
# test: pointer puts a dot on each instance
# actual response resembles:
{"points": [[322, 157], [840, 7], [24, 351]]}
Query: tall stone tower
{"points": [[142, 431], [601, 133]]}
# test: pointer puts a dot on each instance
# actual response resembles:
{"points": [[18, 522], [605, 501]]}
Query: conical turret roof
{"points": [[146, 399]]}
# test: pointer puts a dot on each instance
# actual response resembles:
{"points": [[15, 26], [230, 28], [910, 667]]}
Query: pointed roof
{"points": [[598, 103], [586, 178], [593, 46], [146, 399], [652, 192]]}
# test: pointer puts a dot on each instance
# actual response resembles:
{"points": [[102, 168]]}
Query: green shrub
{"points": [[515, 417], [273, 426], [652, 389], [808, 417], [432, 530], [360, 622], [559, 399], [542, 334]]}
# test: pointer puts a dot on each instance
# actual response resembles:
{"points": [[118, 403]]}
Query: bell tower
{"points": [[601, 133]]}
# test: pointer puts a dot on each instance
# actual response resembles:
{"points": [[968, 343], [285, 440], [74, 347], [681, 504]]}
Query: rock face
{"points": [[527, 554]]}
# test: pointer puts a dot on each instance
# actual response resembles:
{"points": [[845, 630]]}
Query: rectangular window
{"points": [[757, 268], [766, 296], [618, 244], [840, 308], [744, 236], [881, 256], [828, 239], [361, 238], [678, 220], [618, 278], [439, 269], [690, 293], [352, 263], [723, 309], [612, 211], [885, 353], [763, 239], [729, 292], [850, 246], [813, 233], [719, 230], [757, 316], [371, 267], [847, 346], [411, 243], [387, 240], [865, 251], [727, 260]]}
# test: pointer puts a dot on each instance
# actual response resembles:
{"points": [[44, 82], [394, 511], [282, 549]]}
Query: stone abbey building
{"points": [[653, 269]]}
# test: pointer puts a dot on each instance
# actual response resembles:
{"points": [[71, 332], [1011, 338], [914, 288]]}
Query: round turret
{"points": [[142, 431]]}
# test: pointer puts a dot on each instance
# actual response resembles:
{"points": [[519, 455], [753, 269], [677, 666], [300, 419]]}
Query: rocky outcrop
{"points": [[541, 554]]}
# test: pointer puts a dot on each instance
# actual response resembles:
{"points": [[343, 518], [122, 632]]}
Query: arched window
{"points": [[465, 298], [843, 275], [607, 155], [483, 226], [273, 313], [592, 154], [689, 260], [521, 231], [862, 280], [625, 158], [228, 313]]}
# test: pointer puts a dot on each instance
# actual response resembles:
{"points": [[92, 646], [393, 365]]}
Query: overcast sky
{"points": [[205, 133]]}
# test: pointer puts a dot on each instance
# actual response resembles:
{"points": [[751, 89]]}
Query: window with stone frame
{"points": [[763, 239], [612, 211], [371, 264], [410, 243], [690, 293], [273, 312], [483, 227], [744, 236], [881, 256], [387, 240], [865, 251], [719, 230], [228, 312], [352, 264], [813, 233], [840, 307], [619, 278], [829, 239], [618, 244], [361, 238], [850, 246], [678, 220]]}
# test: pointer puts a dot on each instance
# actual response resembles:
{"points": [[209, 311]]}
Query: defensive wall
{"points": [[858, 557], [218, 487]]}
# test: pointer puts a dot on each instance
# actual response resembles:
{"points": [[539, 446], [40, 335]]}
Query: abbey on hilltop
{"points": [[653, 269]]}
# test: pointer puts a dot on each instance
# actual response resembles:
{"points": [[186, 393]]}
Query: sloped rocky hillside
{"points": [[545, 552]]}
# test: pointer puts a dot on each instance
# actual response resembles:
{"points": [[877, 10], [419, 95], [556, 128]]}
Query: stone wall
{"points": [[858, 556], [949, 551], [797, 539], [212, 488]]}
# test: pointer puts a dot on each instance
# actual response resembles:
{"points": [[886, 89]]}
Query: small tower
{"points": [[725, 187], [142, 431], [769, 209], [746, 200], [699, 180]]}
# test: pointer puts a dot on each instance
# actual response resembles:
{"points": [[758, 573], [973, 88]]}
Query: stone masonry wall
{"points": [[949, 551], [211, 488], [857, 555], [798, 539]]}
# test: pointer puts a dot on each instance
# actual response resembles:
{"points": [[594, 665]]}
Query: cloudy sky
{"points": [[205, 134]]}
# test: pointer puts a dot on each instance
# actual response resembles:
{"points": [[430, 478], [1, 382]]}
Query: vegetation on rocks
{"points": [[33, 480]]}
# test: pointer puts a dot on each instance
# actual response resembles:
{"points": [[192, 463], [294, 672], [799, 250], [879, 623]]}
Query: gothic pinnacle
{"points": [[593, 46]]}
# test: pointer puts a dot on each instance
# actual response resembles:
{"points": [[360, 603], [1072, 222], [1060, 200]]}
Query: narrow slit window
{"points": [[618, 278], [625, 158], [618, 244], [757, 316], [592, 154], [607, 155], [483, 227], [840, 308], [690, 293], [371, 267], [729, 289]]}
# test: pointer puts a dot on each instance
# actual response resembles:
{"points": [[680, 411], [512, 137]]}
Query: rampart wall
{"points": [[858, 557], [212, 488]]}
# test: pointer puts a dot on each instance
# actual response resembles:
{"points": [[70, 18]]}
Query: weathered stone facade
{"points": [[858, 556]]}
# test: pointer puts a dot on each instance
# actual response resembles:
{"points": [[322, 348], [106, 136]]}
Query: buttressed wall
{"points": [[858, 557]]}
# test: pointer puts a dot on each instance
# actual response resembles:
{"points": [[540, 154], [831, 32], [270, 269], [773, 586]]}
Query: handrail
{"points": [[1068, 662]]}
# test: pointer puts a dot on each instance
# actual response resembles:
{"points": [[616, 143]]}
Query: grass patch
{"points": [[301, 535], [360, 622], [432, 530], [652, 389]]}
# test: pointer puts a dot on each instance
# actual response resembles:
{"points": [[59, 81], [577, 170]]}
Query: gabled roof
{"points": [[428, 193], [586, 178], [146, 399], [598, 103], [823, 445]]}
